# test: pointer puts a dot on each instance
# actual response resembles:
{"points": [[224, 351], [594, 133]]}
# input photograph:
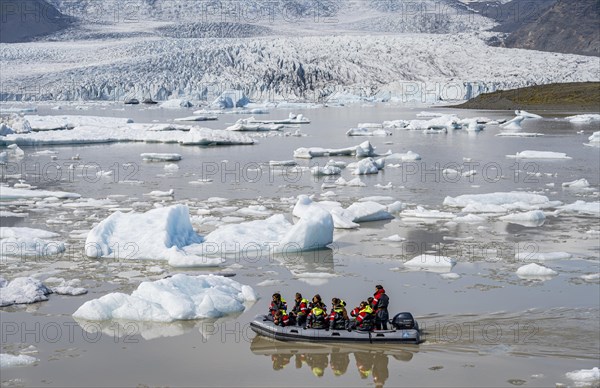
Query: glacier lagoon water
{"points": [[486, 328]]}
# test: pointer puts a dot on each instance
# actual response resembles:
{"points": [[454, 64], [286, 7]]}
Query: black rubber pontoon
{"points": [[405, 330]]}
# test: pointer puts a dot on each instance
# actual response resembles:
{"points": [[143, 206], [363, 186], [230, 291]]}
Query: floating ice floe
{"points": [[368, 131], [158, 193], [500, 202], [395, 124], [176, 103], [369, 166], [167, 234], [151, 133], [450, 276], [368, 212], [541, 256], [180, 297], [9, 360], [581, 207], [356, 182], [583, 119], [53, 123], [519, 134], [69, 287], [362, 150], [471, 125], [527, 115], [197, 118], [441, 123], [585, 377], [23, 290], [535, 271], [422, 213], [154, 157], [292, 119], [539, 155], [10, 193], [22, 241], [431, 262], [514, 124], [406, 157], [283, 163], [532, 218], [591, 277], [577, 184], [594, 139], [250, 124], [393, 238], [325, 171]]}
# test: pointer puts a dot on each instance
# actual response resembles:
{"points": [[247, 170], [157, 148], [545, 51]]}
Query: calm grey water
{"points": [[487, 328]]}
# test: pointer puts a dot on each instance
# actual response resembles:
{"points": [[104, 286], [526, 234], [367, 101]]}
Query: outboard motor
{"points": [[403, 321]]}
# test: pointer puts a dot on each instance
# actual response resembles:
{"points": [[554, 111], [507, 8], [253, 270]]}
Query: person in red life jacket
{"points": [[277, 304], [300, 310], [338, 319], [317, 301], [380, 306], [281, 318], [364, 317], [317, 318]]}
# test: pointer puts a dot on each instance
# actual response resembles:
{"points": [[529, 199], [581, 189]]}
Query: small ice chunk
{"points": [[433, 262], [9, 360], [534, 270], [23, 290]]}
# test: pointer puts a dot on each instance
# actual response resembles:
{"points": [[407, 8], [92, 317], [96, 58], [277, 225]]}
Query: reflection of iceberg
{"points": [[129, 330], [314, 268], [370, 360]]}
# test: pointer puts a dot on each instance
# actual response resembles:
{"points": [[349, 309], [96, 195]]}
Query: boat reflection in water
{"points": [[317, 358]]}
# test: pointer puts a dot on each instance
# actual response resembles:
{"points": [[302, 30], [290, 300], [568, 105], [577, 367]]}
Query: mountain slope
{"points": [[567, 27], [24, 20]]}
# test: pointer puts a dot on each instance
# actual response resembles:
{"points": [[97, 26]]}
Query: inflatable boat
{"points": [[404, 330]]}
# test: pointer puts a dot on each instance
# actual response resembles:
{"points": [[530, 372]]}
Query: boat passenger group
{"points": [[371, 314]]}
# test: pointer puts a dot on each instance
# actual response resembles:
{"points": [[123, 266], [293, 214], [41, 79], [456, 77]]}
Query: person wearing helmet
{"points": [[380, 306]]}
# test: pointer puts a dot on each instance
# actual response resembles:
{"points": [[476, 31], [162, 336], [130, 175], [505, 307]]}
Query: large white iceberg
{"points": [[362, 150], [167, 234], [180, 297], [158, 234]]}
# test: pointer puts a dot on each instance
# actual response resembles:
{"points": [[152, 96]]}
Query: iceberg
{"points": [[11, 193], [535, 271], [231, 99], [514, 124], [582, 207], [23, 290], [527, 115], [159, 234], [369, 166], [9, 360], [362, 150], [22, 241], [500, 202], [431, 262], [367, 212], [585, 377], [150, 133], [532, 218], [370, 131], [539, 155], [583, 119], [180, 297], [153, 157]]}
